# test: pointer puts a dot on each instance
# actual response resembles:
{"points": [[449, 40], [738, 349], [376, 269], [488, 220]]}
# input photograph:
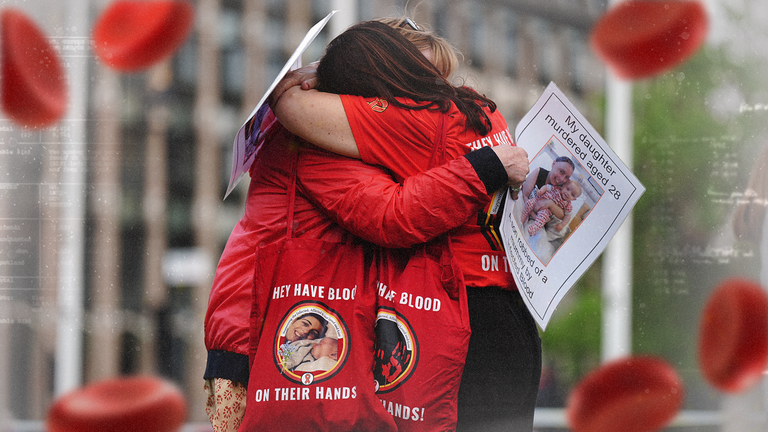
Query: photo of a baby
{"points": [[556, 197], [311, 355]]}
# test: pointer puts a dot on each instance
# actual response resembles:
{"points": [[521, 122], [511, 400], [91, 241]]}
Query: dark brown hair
{"points": [[371, 59]]}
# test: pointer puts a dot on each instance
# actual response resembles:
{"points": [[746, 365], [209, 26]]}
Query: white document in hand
{"points": [[248, 139], [548, 255]]}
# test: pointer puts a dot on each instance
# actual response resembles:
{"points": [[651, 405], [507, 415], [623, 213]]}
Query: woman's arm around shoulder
{"points": [[366, 201], [318, 118]]}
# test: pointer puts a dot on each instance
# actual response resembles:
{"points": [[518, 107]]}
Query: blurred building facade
{"points": [[157, 163]]}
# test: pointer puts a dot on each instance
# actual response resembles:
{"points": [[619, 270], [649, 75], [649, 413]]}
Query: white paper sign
{"points": [[547, 262], [248, 139]]}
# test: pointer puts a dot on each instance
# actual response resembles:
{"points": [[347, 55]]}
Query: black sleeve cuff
{"points": [[227, 365], [489, 168]]}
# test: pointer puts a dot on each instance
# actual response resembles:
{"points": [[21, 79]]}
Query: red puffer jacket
{"points": [[332, 189]]}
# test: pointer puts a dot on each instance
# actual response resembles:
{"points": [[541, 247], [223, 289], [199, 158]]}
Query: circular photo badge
{"points": [[311, 344], [396, 350]]}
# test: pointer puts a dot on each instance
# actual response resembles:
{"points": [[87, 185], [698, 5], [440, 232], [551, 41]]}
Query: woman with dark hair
{"points": [[380, 100], [373, 60], [333, 193]]}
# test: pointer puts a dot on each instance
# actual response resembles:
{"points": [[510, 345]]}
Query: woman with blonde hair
{"points": [[227, 318], [435, 48], [378, 99]]}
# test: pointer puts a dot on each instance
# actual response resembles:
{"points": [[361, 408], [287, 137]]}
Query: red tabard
{"points": [[422, 332], [311, 343], [422, 328]]}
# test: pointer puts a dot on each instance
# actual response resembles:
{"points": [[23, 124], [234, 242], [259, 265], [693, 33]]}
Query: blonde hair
{"points": [[444, 55]]}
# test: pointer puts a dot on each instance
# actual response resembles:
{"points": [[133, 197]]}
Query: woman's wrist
{"points": [[489, 168]]}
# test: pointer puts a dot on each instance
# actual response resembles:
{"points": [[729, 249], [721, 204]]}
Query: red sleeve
{"points": [[367, 202], [401, 139]]}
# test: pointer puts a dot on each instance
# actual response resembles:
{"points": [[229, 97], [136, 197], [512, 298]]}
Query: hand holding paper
{"points": [[515, 161], [548, 254]]}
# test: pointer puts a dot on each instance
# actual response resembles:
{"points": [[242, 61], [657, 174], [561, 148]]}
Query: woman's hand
{"points": [[306, 77], [515, 161]]}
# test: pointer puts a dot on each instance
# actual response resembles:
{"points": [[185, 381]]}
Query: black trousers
{"points": [[501, 376]]}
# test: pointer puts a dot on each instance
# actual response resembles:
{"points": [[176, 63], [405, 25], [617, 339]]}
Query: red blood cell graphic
{"points": [[130, 404], [639, 39], [34, 86], [733, 335], [133, 35], [633, 394]]}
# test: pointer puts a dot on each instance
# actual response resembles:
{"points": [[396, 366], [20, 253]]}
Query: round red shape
{"points": [[733, 335], [131, 35], [131, 404], [34, 86], [639, 39], [634, 394]]}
